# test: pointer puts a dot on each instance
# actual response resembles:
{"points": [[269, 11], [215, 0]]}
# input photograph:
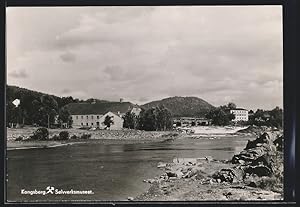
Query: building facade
{"points": [[240, 114], [92, 115], [97, 121], [136, 110], [191, 121]]}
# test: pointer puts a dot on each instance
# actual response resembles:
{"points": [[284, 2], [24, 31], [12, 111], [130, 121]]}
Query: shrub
{"points": [[55, 137], [74, 136], [19, 138], [86, 136], [64, 135], [40, 134]]}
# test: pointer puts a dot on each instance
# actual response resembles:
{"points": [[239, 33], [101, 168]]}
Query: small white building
{"points": [[136, 110], [93, 114], [240, 114]]}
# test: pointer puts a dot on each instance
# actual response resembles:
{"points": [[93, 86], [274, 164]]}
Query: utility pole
{"points": [[48, 121], [17, 124], [17, 102]]}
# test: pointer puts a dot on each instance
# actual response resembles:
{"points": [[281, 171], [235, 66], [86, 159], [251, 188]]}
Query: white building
{"points": [[94, 114], [136, 110], [240, 114], [97, 120]]}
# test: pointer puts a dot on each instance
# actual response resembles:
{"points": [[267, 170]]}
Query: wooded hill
{"points": [[183, 106], [37, 107]]}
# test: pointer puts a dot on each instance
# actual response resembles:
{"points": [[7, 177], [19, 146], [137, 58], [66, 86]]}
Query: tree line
{"points": [[153, 119], [44, 111], [47, 110], [36, 108], [272, 118], [221, 116]]}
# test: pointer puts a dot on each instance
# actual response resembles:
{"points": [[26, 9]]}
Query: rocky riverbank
{"points": [[256, 173], [257, 130]]}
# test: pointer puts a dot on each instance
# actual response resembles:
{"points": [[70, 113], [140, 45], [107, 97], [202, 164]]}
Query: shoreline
{"points": [[238, 179], [120, 136], [38, 145], [101, 136], [21, 145], [110, 136]]}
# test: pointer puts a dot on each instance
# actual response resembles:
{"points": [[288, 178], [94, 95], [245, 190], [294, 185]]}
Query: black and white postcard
{"points": [[144, 103]]}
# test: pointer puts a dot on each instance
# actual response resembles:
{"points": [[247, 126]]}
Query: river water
{"points": [[113, 171]]}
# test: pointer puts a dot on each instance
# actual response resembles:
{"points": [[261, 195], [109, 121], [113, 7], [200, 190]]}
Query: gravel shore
{"points": [[256, 173]]}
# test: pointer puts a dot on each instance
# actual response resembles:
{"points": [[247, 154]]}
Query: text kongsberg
{"points": [[52, 190]]}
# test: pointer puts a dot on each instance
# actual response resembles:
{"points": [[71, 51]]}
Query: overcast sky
{"points": [[141, 54]]}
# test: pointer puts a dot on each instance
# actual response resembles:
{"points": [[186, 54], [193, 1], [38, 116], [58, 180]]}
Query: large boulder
{"points": [[162, 165], [261, 157], [259, 170], [267, 159], [279, 143], [248, 156], [256, 149], [225, 175], [265, 138], [193, 171], [175, 174]]}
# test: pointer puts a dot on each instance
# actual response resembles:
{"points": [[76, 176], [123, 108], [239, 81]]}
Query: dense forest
{"points": [[221, 116], [273, 118], [157, 118], [38, 108], [35, 107]]}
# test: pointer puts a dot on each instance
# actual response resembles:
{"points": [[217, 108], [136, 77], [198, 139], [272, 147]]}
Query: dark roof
{"points": [[98, 108], [240, 109], [185, 117]]}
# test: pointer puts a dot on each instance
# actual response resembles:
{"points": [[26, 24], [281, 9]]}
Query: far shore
{"points": [[108, 136], [18, 145], [103, 136]]}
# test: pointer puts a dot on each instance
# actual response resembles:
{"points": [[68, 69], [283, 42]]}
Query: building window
{"points": [[81, 117], [92, 117], [87, 117], [97, 117], [87, 124], [81, 124], [76, 117], [92, 124]]}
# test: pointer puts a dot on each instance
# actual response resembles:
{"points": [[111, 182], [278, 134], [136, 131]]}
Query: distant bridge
{"points": [[191, 121]]}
